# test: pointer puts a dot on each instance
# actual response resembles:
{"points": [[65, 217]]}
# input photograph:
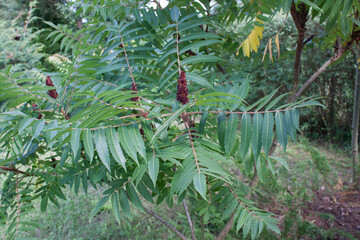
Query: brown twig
{"points": [[127, 60], [171, 227], [189, 220], [14, 170], [227, 228]]}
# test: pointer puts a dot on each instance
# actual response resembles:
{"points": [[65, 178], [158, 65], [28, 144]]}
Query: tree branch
{"points": [[171, 227], [317, 73], [227, 228], [300, 18], [189, 220], [14, 170]]}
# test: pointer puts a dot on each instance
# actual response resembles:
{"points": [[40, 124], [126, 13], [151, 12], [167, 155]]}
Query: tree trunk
{"points": [[297, 63], [355, 122], [300, 18]]}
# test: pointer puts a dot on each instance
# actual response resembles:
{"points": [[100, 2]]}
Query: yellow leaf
{"points": [[253, 39], [277, 45], [237, 53], [246, 48], [252, 42]]}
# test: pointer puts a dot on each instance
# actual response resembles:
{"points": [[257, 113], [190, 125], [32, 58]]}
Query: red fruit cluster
{"points": [[49, 83], [134, 88], [182, 93]]}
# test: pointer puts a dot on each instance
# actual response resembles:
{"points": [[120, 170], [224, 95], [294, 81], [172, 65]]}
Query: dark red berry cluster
{"points": [[182, 93], [49, 83], [134, 88]]}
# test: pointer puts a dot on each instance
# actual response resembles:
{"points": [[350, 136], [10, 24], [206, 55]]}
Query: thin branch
{"points": [[171, 227], [227, 228], [127, 60], [28, 18], [192, 145], [13, 170], [316, 74], [163, 115], [240, 202], [189, 220]]}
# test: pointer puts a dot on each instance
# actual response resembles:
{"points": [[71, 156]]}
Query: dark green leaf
{"points": [[230, 134], [245, 134], [153, 166], [114, 146], [267, 135], [102, 147], [256, 134], [281, 131]]}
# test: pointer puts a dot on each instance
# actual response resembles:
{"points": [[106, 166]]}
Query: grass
{"points": [[71, 220]]}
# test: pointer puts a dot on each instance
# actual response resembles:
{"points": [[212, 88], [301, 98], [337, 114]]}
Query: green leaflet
{"points": [[199, 80], [203, 122], [175, 13], [289, 125], [44, 202], [139, 173], [256, 134], [124, 203], [99, 205], [230, 134], [137, 140], [267, 135], [115, 149], [25, 123], [281, 132], [153, 167], [167, 123], [144, 192], [241, 219], [200, 184], [266, 99], [249, 220], [221, 128], [84, 181], [102, 147], [37, 128], [184, 177], [126, 143], [245, 134], [115, 207], [261, 168], [88, 142], [295, 118], [147, 130], [313, 5], [281, 161], [75, 140], [133, 197], [201, 59]]}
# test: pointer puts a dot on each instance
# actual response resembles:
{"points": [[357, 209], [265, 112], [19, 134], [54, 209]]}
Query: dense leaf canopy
{"points": [[141, 105]]}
